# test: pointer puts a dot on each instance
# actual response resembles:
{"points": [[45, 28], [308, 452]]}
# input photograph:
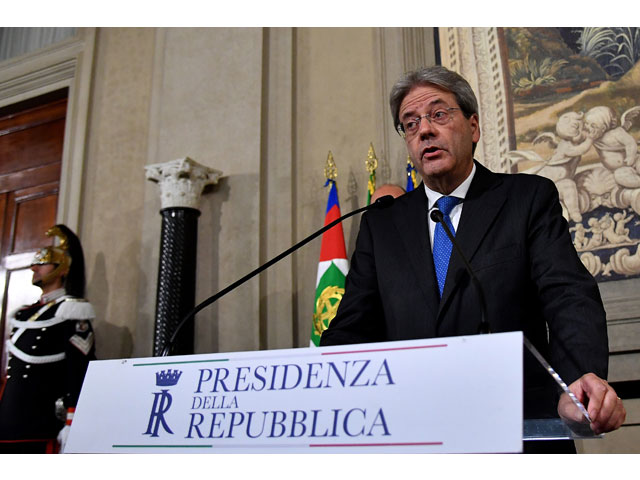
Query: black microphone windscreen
{"points": [[436, 215], [384, 202]]}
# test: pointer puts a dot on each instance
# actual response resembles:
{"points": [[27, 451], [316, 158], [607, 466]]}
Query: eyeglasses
{"points": [[410, 127]]}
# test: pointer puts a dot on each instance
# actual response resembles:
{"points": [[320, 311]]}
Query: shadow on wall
{"points": [[107, 334], [144, 321]]}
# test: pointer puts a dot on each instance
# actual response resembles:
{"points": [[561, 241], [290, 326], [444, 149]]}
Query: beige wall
{"points": [[206, 105], [264, 106], [336, 110], [113, 187]]}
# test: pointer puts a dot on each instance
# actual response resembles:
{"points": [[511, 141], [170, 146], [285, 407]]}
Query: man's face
{"points": [[442, 154], [40, 273]]}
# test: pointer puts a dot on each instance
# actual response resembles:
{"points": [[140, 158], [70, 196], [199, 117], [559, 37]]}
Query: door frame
{"points": [[69, 64]]}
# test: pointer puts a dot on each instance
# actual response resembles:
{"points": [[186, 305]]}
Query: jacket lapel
{"points": [[479, 212], [413, 227]]}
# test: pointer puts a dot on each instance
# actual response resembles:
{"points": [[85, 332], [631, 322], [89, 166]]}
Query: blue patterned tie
{"points": [[441, 243]]}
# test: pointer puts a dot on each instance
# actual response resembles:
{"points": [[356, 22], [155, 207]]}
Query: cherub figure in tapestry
{"points": [[618, 150], [576, 121], [570, 142]]}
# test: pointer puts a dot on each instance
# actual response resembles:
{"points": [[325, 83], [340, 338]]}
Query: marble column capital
{"points": [[181, 181]]}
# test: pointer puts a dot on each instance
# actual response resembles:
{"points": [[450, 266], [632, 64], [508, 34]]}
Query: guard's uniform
{"points": [[49, 349]]}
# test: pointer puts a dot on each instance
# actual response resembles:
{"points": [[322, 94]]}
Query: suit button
{"points": [[38, 337], [33, 347], [25, 375], [44, 329], [27, 366]]}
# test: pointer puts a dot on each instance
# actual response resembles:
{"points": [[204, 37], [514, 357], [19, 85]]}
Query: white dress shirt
{"points": [[460, 192]]}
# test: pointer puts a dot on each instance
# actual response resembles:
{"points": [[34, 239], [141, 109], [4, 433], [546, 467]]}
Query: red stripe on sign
{"points": [[385, 349], [412, 444]]}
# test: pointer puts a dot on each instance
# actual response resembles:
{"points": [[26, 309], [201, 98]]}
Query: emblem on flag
{"points": [[333, 265]]}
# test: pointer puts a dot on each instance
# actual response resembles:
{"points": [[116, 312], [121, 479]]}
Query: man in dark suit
{"points": [[403, 285]]}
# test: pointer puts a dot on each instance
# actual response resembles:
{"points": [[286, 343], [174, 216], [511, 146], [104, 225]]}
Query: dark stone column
{"points": [[176, 279], [181, 183]]}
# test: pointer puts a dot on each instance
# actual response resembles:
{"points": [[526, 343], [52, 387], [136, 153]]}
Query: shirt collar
{"points": [[460, 191], [54, 295]]}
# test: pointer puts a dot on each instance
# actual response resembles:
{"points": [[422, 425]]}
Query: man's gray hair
{"points": [[440, 77]]}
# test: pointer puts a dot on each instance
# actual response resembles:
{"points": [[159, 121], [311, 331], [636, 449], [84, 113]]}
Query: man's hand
{"points": [[603, 404]]}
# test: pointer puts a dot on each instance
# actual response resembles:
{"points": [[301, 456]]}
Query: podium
{"points": [[443, 395]]}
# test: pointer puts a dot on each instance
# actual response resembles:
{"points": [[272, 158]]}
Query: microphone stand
{"points": [[438, 217], [382, 202]]}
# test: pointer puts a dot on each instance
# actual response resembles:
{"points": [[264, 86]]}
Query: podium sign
{"points": [[445, 395]]}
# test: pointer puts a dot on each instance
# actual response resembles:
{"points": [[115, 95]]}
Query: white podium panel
{"points": [[446, 395]]}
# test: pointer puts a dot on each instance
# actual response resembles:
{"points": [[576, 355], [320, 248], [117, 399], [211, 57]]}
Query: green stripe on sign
{"points": [[178, 363]]}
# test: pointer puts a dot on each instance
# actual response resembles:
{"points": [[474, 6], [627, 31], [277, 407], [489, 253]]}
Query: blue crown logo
{"points": [[168, 378]]}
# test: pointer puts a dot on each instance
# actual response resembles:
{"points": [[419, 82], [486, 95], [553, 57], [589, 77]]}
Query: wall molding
{"points": [[67, 64], [475, 54]]}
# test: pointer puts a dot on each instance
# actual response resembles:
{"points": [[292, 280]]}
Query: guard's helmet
{"points": [[68, 258]]}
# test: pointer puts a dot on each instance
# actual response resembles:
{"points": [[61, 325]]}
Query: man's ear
{"points": [[474, 122], [64, 273]]}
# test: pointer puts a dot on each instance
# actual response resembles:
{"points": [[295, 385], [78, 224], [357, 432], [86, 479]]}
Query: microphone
{"points": [[382, 202], [438, 217]]}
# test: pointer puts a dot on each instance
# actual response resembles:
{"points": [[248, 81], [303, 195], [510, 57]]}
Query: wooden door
{"points": [[31, 142]]}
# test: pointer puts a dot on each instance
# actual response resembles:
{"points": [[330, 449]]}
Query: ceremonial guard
{"points": [[49, 349]]}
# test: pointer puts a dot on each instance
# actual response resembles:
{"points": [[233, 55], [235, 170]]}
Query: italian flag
{"points": [[332, 269]]}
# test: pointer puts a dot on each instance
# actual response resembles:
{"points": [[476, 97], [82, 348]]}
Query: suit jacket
{"points": [[514, 235]]}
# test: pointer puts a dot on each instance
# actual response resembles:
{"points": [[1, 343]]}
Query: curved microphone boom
{"points": [[382, 202], [438, 217]]}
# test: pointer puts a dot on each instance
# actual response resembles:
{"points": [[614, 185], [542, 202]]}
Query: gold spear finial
{"points": [[330, 170], [371, 161]]}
